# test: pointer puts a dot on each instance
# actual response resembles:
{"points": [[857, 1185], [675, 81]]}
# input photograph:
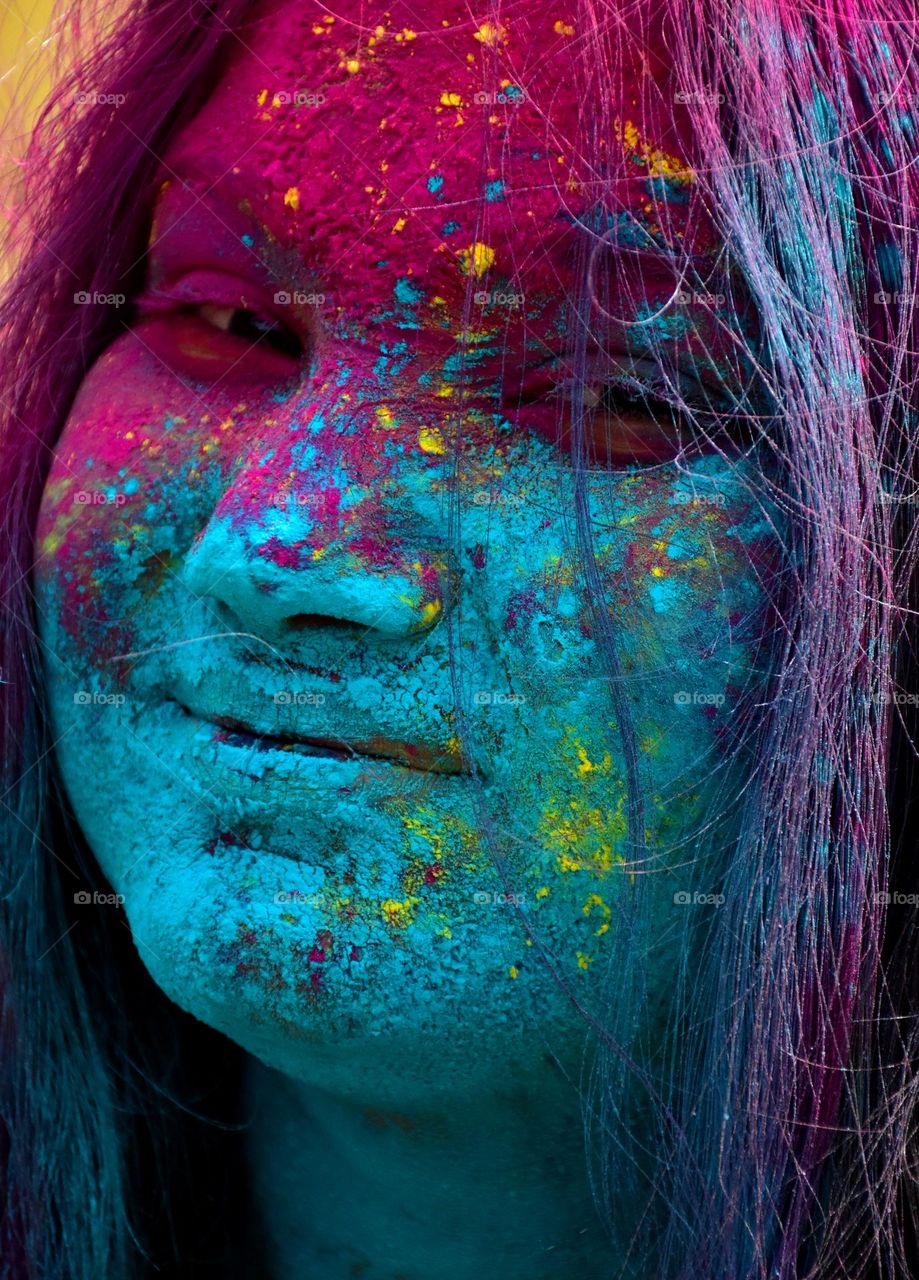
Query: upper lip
{"points": [[429, 759]]}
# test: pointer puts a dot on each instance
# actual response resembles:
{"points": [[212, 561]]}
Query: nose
{"points": [[280, 569]]}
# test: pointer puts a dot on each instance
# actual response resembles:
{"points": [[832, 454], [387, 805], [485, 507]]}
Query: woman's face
{"points": [[280, 576]]}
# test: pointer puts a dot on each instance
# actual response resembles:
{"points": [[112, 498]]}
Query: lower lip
{"points": [[254, 761]]}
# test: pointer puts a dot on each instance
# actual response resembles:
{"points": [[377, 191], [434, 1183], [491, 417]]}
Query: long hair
{"points": [[778, 1116]]}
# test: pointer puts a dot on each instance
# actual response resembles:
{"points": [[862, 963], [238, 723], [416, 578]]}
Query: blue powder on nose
{"points": [[665, 594]]}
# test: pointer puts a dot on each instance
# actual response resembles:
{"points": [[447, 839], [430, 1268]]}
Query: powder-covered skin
{"points": [[306, 546]]}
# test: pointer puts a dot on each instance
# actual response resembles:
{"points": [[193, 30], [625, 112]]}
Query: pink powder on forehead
{"points": [[369, 134]]}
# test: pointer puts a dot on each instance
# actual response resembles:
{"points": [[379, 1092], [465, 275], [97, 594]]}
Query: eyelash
{"points": [[618, 399]]}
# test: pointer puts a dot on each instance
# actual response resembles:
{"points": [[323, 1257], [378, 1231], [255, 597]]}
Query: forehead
{"points": [[361, 134]]}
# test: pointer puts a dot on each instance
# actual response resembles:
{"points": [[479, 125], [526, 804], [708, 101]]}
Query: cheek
{"points": [[687, 586]]}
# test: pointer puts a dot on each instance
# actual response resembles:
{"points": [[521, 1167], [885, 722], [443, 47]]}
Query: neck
{"points": [[493, 1187]]}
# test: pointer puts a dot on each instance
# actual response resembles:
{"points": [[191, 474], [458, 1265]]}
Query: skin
{"points": [[305, 545]]}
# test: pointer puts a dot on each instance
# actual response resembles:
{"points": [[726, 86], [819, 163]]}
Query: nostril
{"points": [[306, 621]]}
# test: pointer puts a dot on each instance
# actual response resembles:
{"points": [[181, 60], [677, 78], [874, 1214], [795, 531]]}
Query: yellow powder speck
{"points": [[595, 903], [292, 197], [451, 100], [319, 552], [430, 611], [129, 435], [477, 258], [398, 224], [398, 914], [352, 65], [656, 571], [384, 415], [379, 32], [491, 34], [328, 18], [445, 391], [262, 98], [659, 163], [446, 932], [584, 960], [430, 440], [384, 165], [408, 34], [563, 28], [512, 971], [543, 892]]}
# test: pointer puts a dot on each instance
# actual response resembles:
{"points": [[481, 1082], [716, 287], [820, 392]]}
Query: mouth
{"points": [[408, 755]]}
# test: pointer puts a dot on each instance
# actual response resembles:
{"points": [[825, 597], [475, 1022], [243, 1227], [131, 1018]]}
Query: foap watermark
{"points": [[896, 698], [297, 698], [693, 898], [511, 95], [897, 899], [885, 497], [695, 698], [902, 100], [697, 297], [290, 897], [497, 298], [284, 500], [698, 97], [94, 698], [98, 498], [683, 498], [888, 297], [298, 298], [90, 98], [297, 98], [85, 298], [86, 899], [484, 898], [497, 498], [496, 698]]}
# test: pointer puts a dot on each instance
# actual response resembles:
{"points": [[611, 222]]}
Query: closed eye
{"points": [[624, 424]]}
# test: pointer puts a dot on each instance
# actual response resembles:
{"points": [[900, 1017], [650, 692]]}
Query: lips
{"points": [[409, 755]]}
